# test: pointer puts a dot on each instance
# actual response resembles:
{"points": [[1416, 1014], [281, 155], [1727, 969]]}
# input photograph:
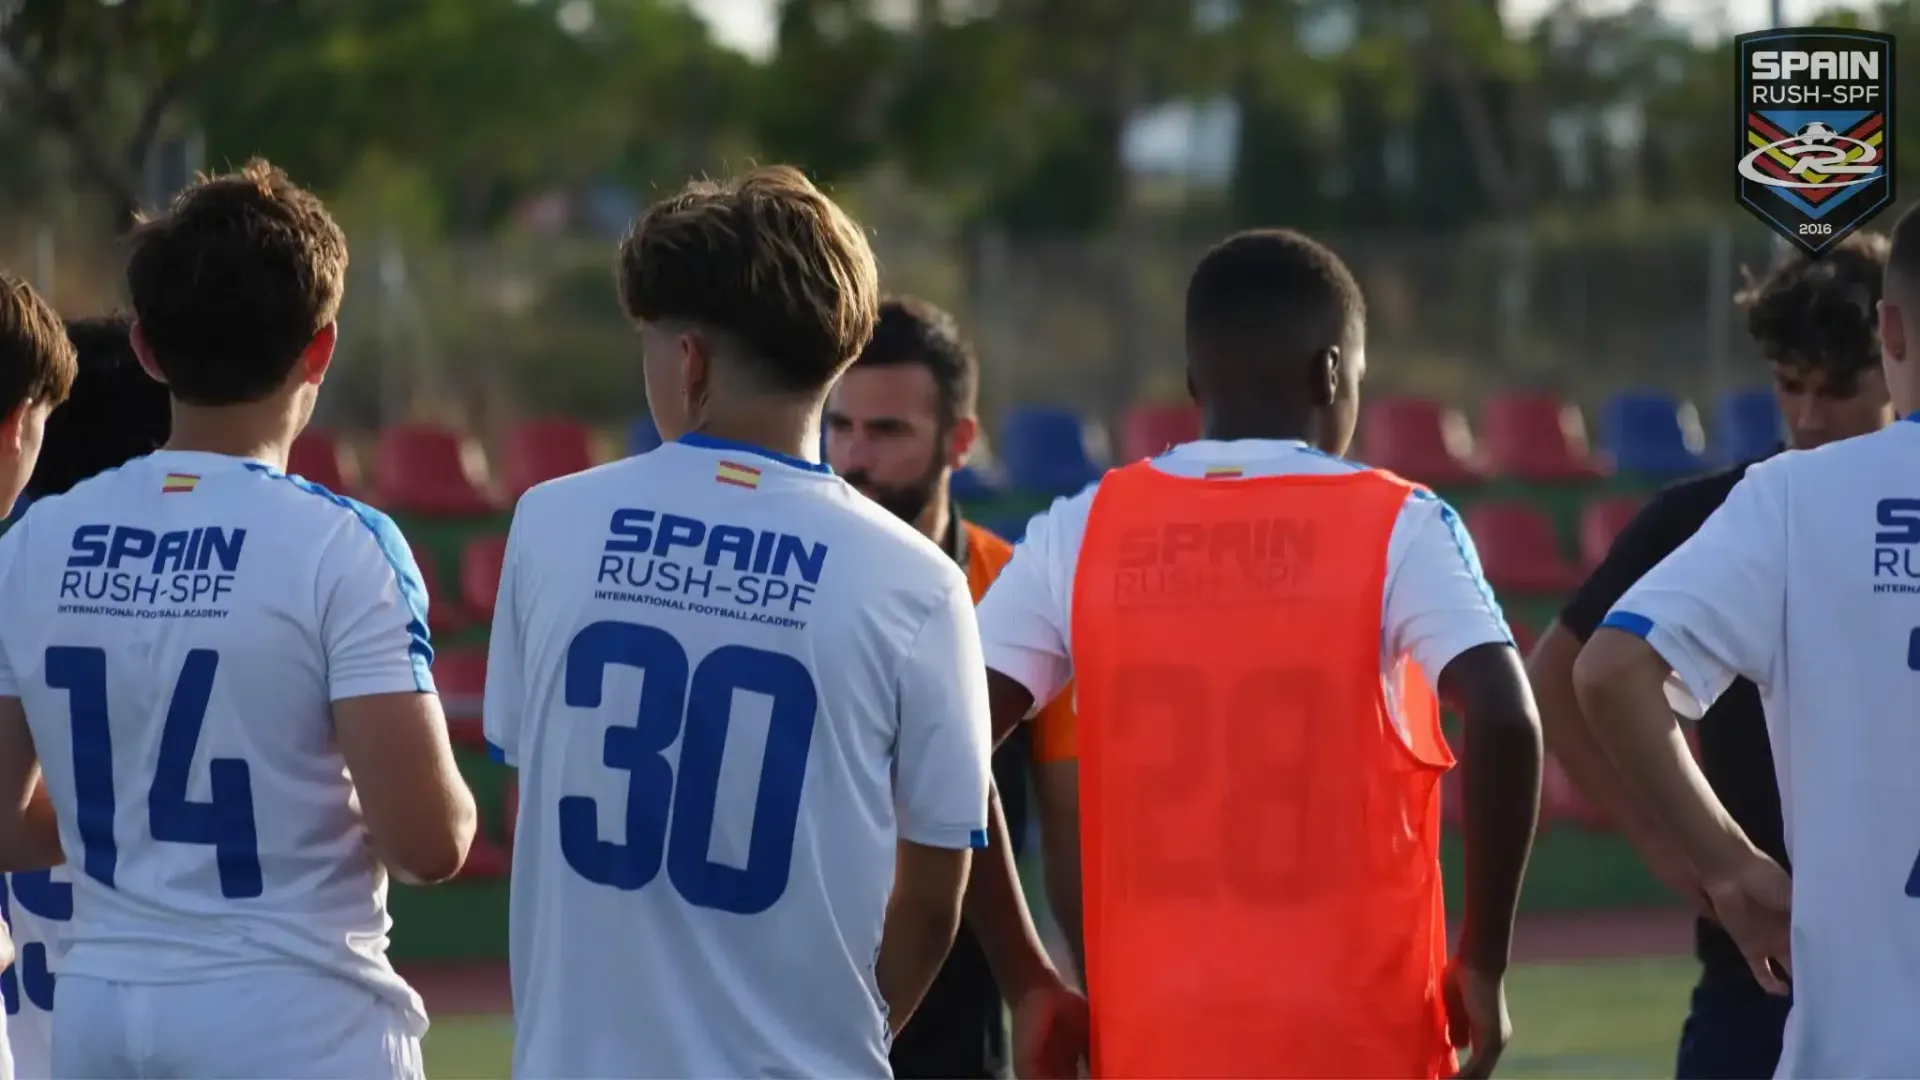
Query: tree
{"points": [[104, 77]]}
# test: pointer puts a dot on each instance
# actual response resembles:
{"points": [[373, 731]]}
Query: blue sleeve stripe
{"points": [[406, 572], [1463, 543], [494, 753], [977, 839], [1629, 622]]}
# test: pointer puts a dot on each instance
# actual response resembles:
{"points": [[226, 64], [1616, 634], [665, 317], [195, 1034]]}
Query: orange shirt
{"points": [[1260, 841], [1054, 727]]}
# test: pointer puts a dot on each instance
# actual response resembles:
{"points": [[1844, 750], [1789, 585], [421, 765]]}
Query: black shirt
{"points": [[1735, 753], [960, 1032]]}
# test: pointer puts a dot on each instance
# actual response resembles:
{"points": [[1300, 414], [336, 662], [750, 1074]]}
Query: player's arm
{"points": [[942, 776], [1709, 613], [1023, 642], [1440, 612], [392, 733], [1661, 526], [29, 835], [1056, 794]]}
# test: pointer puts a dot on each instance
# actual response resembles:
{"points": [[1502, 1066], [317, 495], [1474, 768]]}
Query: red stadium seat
{"points": [[317, 456], [1534, 437], [445, 613], [480, 573], [542, 450], [461, 676], [1147, 430], [1601, 522], [423, 469], [1409, 436], [1518, 548]]}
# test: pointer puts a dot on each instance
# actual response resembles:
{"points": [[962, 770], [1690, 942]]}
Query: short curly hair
{"points": [[1821, 313]]}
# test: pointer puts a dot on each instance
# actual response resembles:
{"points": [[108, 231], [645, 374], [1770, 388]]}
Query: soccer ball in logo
{"points": [[1816, 134]]}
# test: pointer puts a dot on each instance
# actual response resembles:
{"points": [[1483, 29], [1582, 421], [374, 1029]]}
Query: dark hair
{"points": [[1903, 254], [36, 360], [913, 331], [117, 411], [767, 261], [1256, 284], [233, 282], [1820, 313]]}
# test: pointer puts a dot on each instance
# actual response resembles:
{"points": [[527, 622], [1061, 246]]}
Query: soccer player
{"points": [[1805, 582], [900, 420], [225, 674], [115, 413], [1256, 629], [1815, 323], [745, 700], [36, 374]]}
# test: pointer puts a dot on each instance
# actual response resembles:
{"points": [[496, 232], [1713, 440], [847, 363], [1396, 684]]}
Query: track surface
{"points": [[482, 988]]}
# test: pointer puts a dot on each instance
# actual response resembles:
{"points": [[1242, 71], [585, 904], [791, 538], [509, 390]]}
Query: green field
{"points": [[1602, 1018]]}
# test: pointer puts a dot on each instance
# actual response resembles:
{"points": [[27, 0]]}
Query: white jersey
{"points": [[1436, 605], [38, 906], [177, 629], [730, 682], [1807, 582]]}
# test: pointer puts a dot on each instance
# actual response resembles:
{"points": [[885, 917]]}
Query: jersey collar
{"points": [[703, 441]]}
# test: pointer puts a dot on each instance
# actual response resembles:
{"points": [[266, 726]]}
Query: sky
{"points": [[747, 25]]}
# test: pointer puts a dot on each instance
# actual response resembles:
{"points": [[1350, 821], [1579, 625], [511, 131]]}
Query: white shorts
{"points": [[284, 1024]]}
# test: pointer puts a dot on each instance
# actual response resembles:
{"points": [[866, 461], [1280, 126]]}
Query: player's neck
{"points": [[259, 432], [787, 428], [1226, 425], [936, 519]]}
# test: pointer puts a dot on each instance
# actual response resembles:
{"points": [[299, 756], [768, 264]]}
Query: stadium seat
{"points": [[1149, 430], [445, 613], [461, 676], [317, 456], [1643, 432], [1518, 548], [542, 450], [642, 436], [1601, 521], [1746, 426], [1533, 437], [480, 573], [971, 484], [1408, 435], [423, 469], [1044, 451]]}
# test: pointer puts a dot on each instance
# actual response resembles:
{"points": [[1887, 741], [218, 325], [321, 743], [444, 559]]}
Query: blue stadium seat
{"points": [[1641, 430], [1008, 527], [1044, 451], [642, 436], [970, 483], [1746, 425]]}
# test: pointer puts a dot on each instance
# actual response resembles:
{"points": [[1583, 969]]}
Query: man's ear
{"points": [[317, 357], [1324, 371], [966, 432], [696, 373], [138, 338]]}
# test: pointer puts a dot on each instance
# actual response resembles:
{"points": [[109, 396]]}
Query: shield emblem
{"points": [[1814, 159]]}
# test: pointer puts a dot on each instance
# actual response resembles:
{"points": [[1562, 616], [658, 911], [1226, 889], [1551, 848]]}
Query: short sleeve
{"points": [[10, 542], [373, 617], [1438, 603], [1715, 608], [1025, 616], [506, 697], [942, 758], [1056, 730]]}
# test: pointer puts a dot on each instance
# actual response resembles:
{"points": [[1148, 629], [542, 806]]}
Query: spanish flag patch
{"points": [[176, 483], [1224, 472], [732, 472]]}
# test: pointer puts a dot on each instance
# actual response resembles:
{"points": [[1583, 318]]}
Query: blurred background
{"points": [[1531, 192]]}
